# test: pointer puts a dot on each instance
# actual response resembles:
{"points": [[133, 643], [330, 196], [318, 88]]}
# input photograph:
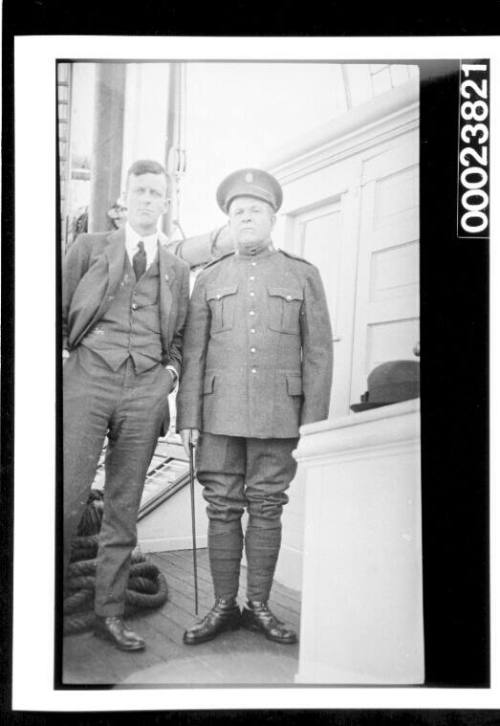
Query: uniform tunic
{"points": [[257, 348]]}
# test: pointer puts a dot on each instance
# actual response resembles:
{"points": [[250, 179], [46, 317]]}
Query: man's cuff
{"points": [[174, 374]]}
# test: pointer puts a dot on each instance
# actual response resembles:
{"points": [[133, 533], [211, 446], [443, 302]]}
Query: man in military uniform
{"points": [[125, 300], [257, 365]]}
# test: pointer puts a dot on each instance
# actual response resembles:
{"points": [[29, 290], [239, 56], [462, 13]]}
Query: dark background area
{"points": [[454, 358], [454, 392]]}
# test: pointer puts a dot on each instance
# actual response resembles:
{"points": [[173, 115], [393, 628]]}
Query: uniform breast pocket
{"points": [[285, 305], [222, 302]]}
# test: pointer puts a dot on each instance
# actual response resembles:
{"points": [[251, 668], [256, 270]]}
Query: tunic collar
{"points": [[264, 254]]}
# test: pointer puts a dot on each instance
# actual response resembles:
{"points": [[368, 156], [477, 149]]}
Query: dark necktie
{"points": [[139, 260]]}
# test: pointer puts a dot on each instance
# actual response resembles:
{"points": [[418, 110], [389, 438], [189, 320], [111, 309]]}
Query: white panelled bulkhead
{"points": [[351, 206]]}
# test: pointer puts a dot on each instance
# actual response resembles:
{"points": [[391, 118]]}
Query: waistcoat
{"points": [[131, 325]]}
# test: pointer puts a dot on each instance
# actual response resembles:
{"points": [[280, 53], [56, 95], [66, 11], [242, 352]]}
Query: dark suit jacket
{"points": [[93, 269]]}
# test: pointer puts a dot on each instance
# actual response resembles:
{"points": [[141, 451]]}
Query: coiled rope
{"points": [[146, 587]]}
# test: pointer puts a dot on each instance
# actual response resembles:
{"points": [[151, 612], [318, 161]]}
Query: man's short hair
{"points": [[148, 166]]}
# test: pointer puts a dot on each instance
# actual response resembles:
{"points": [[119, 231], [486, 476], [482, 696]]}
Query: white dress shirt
{"points": [[150, 244]]}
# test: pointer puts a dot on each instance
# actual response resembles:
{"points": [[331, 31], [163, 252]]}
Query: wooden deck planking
{"points": [[183, 596], [283, 599], [234, 658], [87, 659]]}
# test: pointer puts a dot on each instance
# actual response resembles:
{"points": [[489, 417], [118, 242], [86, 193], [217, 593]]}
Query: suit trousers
{"points": [[129, 408], [237, 474]]}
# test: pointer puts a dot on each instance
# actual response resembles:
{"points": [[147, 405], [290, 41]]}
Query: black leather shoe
{"points": [[257, 616], [114, 629], [225, 615]]}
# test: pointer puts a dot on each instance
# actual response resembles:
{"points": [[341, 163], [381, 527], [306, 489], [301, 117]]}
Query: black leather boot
{"points": [[257, 616], [225, 615], [114, 629]]}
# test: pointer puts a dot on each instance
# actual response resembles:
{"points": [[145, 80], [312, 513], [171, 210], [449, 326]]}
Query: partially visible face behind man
{"points": [[146, 201], [251, 222]]}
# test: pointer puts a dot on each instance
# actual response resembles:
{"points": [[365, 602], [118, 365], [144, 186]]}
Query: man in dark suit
{"points": [[125, 299], [257, 365]]}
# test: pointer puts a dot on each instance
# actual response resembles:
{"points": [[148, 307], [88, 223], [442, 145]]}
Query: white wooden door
{"points": [[387, 291], [320, 237], [358, 222]]}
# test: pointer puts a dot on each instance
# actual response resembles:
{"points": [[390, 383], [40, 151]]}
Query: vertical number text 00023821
{"points": [[473, 150]]}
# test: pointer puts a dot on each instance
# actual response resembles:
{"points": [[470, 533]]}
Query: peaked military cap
{"points": [[249, 183]]}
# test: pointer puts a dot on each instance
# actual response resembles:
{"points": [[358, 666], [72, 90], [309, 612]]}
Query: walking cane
{"points": [[193, 521]]}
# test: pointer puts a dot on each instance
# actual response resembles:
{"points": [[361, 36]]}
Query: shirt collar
{"points": [[132, 238]]}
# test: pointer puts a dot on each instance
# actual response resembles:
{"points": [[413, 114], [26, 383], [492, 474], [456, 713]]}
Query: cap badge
{"points": [[249, 177]]}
